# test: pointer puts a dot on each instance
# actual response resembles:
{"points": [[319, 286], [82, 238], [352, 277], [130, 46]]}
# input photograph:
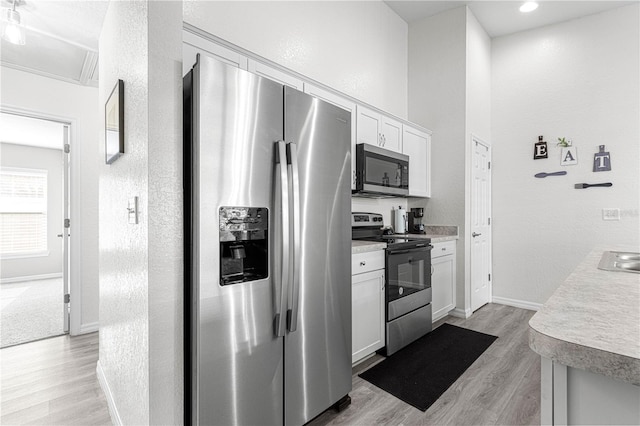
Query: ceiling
{"points": [[61, 39], [62, 35], [500, 18]]}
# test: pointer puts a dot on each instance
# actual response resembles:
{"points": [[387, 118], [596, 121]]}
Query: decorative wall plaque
{"points": [[601, 161], [569, 156], [540, 149]]}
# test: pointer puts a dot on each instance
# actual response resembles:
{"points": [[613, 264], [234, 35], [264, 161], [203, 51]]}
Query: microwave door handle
{"points": [[292, 312], [281, 205]]}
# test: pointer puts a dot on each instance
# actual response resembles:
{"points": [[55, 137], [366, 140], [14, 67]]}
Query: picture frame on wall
{"points": [[114, 124]]}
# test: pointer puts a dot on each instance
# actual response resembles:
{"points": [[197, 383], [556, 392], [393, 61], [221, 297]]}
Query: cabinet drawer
{"points": [[365, 262], [443, 249]]}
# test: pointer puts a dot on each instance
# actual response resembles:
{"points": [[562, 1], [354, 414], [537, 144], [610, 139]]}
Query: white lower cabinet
{"points": [[367, 306], [443, 278]]}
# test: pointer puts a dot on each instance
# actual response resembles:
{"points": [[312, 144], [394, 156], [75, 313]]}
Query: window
{"points": [[23, 212]]}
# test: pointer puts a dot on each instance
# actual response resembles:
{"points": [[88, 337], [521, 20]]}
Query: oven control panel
{"points": [[366, 219]]}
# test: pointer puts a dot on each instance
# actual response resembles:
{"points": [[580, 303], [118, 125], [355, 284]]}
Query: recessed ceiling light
{"points": [[529, 6]]}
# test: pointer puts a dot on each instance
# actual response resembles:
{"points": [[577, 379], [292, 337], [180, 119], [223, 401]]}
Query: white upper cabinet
{"points": [[392, 134], [275, 74], [193, 44], [377, 129], [417, 145], [343, 103]]}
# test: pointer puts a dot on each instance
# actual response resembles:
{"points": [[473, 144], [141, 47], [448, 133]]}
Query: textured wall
{"points": [[141, 272], [356, 47], [437, 100], [577, 80], [51, 160], [33, 93], [165, 213], [124, 249]]}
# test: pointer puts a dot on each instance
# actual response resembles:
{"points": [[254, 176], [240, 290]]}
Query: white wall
{"points": [[51, 160], [31, 93], [437, 100], [356, 47], [141, 353], [578, 80]]}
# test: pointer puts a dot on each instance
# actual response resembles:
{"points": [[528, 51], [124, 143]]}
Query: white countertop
{"points": [[592, 322], [366, 246]]}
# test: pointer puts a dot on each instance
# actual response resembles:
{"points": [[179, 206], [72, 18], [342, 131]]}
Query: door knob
{"points": [[475, 235]]}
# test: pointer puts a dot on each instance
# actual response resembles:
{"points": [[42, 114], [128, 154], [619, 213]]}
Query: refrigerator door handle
{"points": [[292, 312], [282, 194]]}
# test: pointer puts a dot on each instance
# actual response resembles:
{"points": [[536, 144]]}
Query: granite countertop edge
{"points": [[582, 324]]}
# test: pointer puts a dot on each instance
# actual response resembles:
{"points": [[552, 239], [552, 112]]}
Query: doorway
{"points": [[480, 223], [34, 228]]}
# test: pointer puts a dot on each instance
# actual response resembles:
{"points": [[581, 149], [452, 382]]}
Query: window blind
{"points": [[23, 211]]}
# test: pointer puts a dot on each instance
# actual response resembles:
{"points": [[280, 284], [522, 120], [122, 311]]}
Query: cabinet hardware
{"points": [[363, 263]]}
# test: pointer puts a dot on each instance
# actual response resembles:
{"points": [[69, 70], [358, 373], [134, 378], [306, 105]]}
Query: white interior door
{"points": [[480, 225], [65, 230]]}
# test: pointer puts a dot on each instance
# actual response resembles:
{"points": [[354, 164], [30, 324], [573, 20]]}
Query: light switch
{"points": [[132, 210], [610, 214]]}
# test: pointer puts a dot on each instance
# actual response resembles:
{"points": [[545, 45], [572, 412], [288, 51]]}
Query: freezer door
{"points": [[237, 361], [318, 343]]}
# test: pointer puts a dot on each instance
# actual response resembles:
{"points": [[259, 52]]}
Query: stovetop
{"points": [[370, 227]]}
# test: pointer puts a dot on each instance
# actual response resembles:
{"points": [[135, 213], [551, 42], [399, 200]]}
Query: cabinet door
{"points": [[367, 302], [443, 280], [193, 44], [343, 103], [392, 135], [368, 126], [417, 145], [274, 74]]}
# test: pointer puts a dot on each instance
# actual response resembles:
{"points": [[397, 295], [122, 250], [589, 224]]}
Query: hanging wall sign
{"points": [[569, 156], [601, 161], [540, 149]]}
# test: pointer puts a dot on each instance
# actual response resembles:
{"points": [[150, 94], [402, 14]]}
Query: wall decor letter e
{"points": [[540, 149]]}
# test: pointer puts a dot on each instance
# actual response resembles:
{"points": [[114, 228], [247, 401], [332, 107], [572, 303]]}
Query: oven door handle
{"points": [[422, 247]]}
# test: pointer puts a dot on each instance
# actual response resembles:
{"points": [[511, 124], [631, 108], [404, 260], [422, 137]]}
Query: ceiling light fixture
{"points": [[12, 27], [529, 6]]}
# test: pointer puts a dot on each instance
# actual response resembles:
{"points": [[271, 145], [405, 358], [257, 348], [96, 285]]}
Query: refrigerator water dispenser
{"points": [[244, 247]]}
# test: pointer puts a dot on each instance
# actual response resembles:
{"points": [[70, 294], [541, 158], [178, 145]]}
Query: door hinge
{"points": [[488, 221], [67, 148], [489, 165], [67, 298], [67, 223], [489, 277]]}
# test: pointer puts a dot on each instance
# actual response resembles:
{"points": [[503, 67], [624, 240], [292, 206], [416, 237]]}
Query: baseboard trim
{"points": [[90, 327], [30, 278], [461, 313], [517, 303], [104, 385]]}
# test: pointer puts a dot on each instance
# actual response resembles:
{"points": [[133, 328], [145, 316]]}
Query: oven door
{"points": [[408, 280]]}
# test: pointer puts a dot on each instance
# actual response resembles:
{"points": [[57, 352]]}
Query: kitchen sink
{"points": [[620, 261]]}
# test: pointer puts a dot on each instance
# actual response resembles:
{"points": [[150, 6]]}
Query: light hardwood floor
{"points": [[501, 387], [54, 382]]}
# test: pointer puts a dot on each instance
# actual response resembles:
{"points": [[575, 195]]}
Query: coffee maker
{"points": [[415, 219]]}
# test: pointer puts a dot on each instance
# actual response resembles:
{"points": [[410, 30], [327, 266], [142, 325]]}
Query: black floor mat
{"points": [[419, 373]]}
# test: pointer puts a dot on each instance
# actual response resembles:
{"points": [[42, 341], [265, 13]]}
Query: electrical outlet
{"points": [[610, 214]]}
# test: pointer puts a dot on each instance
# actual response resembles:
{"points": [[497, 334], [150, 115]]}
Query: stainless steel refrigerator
{"points": [[267, 173]]}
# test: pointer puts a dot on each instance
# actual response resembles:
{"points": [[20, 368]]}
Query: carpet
{"points": [[30, 310], [419, 373]]}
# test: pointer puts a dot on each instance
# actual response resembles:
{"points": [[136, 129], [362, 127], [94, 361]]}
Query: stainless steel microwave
{"points": [[380, 172]]}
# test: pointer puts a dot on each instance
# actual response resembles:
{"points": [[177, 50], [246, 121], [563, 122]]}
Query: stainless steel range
{"points": [[408, 280]]}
